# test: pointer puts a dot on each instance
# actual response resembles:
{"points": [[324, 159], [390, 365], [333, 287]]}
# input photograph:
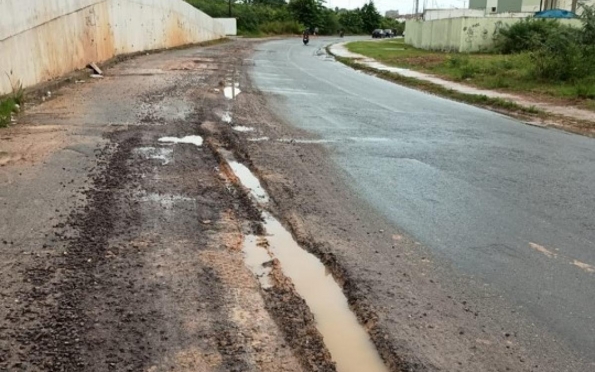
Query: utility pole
{"points": [[416, 6]]}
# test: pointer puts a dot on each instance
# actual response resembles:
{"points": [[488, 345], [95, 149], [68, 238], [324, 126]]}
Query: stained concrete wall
{"points": [[42, 40], [464, 34]]}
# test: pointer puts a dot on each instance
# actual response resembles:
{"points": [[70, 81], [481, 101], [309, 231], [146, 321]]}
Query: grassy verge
{"points": [[509, 73], [497, 104]]}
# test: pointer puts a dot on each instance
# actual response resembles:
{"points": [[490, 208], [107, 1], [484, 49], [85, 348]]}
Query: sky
{"points": [[403, 6]]}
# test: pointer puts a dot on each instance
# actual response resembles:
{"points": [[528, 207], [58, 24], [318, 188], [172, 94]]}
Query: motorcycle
{"points": [[306, 39]]}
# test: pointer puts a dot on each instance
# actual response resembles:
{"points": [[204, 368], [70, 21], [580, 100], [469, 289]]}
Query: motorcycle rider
{"points": [[306, 36]]}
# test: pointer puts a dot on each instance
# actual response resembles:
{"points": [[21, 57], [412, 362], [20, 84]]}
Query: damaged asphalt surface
{"points": [[121, 252]]}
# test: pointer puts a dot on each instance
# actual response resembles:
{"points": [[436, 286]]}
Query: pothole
{"points": [[226, 117], [194, 140], [258, 139], [241, 128], [347, 341], [232, 90]]}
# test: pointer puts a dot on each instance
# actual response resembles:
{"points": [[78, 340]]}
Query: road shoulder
{"points": [[528, 111]]}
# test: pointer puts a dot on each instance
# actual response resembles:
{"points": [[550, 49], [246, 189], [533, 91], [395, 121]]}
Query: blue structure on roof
{"points": [[555, 13]]}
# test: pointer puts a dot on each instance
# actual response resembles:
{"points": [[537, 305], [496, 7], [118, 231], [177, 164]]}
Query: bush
{"points": [[527, 35], [560, 58], [457, 61], [467, 71], [585, 89]]}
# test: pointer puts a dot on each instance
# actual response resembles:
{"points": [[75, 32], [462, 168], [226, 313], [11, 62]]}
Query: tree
{"points": [[392, 24], [307, 12], [351, 21], [370, 17]]}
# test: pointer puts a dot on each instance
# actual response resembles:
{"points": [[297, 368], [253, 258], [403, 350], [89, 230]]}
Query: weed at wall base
{"points": [[7, 107]]}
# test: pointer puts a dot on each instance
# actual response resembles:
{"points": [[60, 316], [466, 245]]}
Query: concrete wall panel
{"points": [[464, 34], [42, 40], [230, 25]]}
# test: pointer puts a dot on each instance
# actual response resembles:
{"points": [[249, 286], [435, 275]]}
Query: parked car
{"points": [[388, 33], [377, 34]]}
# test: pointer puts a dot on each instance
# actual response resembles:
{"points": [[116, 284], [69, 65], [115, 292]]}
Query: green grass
{"points": [[474, 99], [7, 106], [510, 73]]}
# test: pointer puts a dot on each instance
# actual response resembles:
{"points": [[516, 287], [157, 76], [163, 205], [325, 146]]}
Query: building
{"points": [[394, 14], [526, 6], [506, 6]]}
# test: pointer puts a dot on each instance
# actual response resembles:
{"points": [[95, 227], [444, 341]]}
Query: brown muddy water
{"points": [[347, 341]]}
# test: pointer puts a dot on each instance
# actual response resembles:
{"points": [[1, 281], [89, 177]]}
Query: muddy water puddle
{"points": [[257, 259], [194, 140], [347, 341], [241, 128], [247, 178], [232, 91]]}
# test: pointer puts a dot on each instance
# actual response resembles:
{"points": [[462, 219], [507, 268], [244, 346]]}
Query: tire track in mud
{"points": [[64, 283], [355, 294]]}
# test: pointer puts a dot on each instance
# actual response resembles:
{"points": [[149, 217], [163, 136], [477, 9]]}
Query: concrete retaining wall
{"points": [[230, 25], [42, 40], [463, 34]]}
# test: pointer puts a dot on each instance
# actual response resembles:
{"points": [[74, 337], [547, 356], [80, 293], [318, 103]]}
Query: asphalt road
{"points": [[509, 204]]}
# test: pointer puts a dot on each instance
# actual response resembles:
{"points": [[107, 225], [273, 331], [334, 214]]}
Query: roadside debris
{"points": [[95, 68]]}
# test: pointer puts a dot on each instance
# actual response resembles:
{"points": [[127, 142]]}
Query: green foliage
{"points": [[365, 20], [389, 23], [269, 17], [527, 35], [457, 61], [560, 57], [370, 17], [281, 27], [7, 107], [558, 52], [585, 89], [251, 16], [351, 21], [307, 12]]}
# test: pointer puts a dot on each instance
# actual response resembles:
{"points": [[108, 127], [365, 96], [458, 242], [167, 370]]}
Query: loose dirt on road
{"points": [[124, 232]]}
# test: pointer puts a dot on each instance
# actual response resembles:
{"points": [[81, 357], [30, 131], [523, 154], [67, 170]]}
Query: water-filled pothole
{"points": [[241, 128], [347, 341], [232, 90], [194, 140]]}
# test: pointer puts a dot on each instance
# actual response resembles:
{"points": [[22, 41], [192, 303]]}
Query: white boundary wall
{"points": [[42, 40], [463, 34], [230, 25]]}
